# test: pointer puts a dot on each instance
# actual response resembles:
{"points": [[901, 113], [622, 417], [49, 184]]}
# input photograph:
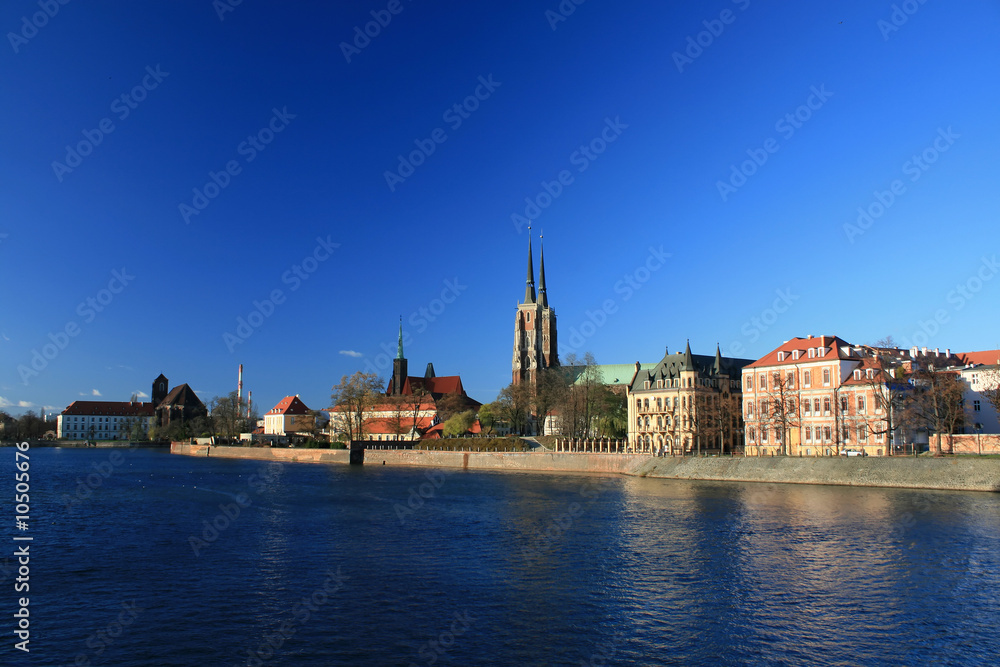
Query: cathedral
{"points": [[535, 344]]}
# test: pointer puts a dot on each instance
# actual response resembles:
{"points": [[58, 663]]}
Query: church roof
{"points": [[610, 374], [181, 395]]}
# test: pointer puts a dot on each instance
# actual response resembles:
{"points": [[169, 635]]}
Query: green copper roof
{"points": [[612, 374]]}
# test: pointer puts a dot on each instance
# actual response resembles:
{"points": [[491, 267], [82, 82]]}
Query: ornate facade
{"points": [[535, 341]]}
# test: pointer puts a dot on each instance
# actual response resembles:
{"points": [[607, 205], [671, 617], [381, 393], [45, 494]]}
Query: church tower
{"points": [[399, 366], [535, 343]]}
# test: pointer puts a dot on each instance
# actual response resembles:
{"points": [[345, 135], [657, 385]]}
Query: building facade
{"points": [[686, 404], [289, 417]]}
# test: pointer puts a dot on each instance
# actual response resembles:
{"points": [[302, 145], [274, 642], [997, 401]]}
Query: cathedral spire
{"points": [[529, 289], [399, 349], [543, 299], [718, 360]]}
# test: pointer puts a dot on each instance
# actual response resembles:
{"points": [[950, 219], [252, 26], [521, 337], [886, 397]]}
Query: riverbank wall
{"points": [[948, 473]]}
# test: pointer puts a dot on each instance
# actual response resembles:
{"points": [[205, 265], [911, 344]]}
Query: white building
{"points": [[104, 420], [288, 417], [981, 417]]}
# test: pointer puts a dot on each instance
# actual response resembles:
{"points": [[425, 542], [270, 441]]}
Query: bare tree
{"points": [[991, 382], [550, 391], [936, 403], [353, 399], [780, 407], [720, 416], [514, 403]]}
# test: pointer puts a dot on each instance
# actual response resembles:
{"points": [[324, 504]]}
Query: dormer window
{"points": [[812, 352], [796, 354], [869, 373], [781, 356], [857, 375]]}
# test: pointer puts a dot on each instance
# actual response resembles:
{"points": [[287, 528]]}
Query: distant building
{"points": [[412, 404], [686, 403], [289, 417], [120, 420]]}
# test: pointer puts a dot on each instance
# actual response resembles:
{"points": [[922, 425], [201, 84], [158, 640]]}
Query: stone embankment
{"points": [[959, 474]]}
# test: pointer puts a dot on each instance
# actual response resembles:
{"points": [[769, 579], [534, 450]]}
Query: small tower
{"points": [[161, 387]]}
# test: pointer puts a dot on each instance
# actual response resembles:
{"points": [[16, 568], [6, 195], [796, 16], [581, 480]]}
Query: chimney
{"points": [[923, 350], [809, 337], [937, 352], [947, 351], [913, 352]]}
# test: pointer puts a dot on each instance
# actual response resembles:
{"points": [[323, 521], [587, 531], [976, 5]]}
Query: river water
{"points": [[143, 558]]}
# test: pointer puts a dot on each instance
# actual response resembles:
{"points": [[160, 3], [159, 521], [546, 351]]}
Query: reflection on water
{"points": [[530, 569]]}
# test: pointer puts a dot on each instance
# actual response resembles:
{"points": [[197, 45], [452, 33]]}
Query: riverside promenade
{"points": [[948, 473]]}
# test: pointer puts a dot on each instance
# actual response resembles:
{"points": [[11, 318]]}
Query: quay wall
{"points": [[948, 473]]}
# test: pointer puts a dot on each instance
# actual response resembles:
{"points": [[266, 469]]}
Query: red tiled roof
{"points": [[389, 426], [109, 408], [289, 405], [987, 357], [803, 345]]}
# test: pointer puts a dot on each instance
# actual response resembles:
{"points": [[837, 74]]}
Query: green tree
{"points": [[459, 424], [514, 403], [488, 417]]}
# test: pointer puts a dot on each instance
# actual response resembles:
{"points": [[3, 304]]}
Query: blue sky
{"points": [[824, 105]]}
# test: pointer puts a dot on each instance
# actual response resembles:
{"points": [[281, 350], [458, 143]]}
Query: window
{"points": [[763, 435], [809, 433], [878, 437], [751, 434], [748, 383], [659, 384], [806, 378], [846, 432], [826, 406], [781, 356], [790, 404], [843, 404], [763, 382], [790, 380], [645, 384], [776, 380], [975, 406], [796, 354], [826, 377], [816, 405], [861, 404], [826, 433], [862, 434], [659, 422], [857, 374], [659, 403], [869, 373], [750, 410], [638, 404], [812, 353], [807, 406], [647, 421], [645, 404]]}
